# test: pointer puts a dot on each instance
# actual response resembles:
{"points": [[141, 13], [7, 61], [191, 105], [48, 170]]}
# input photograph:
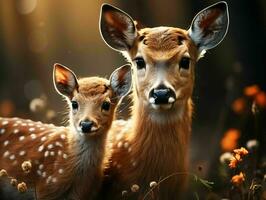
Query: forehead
{"points": [[163, 38], [165, 42], [94, 87]]}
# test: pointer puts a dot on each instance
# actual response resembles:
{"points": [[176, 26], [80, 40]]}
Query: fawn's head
{"points": [[164, 57], [92, 100]]}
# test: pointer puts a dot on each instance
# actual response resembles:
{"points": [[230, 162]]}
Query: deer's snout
{"points": [[87, 126], [162, 95]]}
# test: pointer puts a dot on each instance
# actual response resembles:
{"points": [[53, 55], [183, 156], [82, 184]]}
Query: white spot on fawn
{"points": [[6, 154], [43, 138], [12, 157], [30, 124], [59, 144], [41, 166], [54, 179], [48, 180], [52, 153], [126, 145], [6, 143], [21, 138], [4, 123], [15, 131], [14, 125], [39, 172], [60, 171], [33, 136], [22, 153], [129, 149], [50, 146], [65, 156], [31, 129], [44, 174], [23, 124], [2, 131], [42, 128], [63, 136], [120, 144], [133, 162], [46, 153], [40, 149], [59, 152]]}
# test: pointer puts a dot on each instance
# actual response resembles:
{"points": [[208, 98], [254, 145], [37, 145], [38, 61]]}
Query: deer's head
{"points": [[164, 58], [92, 100]]}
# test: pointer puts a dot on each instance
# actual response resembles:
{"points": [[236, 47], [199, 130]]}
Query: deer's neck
{"points": [[88, 153], [160, 141]]}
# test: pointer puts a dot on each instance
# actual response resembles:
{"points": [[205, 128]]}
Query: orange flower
{"points": [[238, 155], [229, 141], [233, 163], [251, 91], [239, 105], [238, 179], [241, 152], [261, 99]]}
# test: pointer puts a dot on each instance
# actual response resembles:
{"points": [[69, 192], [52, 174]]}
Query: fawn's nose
{"points": [[162, 95], [86, 126]]}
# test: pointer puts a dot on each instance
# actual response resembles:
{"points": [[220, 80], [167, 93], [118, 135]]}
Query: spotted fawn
{"points": [[66, 162]]}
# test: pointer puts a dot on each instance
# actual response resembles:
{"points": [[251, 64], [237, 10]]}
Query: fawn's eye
{"points": [[184, 63], [75, 105], [140, 63], [106, 105]]}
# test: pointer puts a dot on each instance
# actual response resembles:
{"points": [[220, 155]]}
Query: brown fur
{"points": [[156, 149], [73, 163], [154, 144]]}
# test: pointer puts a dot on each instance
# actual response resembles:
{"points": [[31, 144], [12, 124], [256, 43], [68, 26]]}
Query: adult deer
{"points": [[66, 162], [154, 144]]}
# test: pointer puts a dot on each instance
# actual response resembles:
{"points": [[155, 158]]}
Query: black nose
{"points": [[86, 126], [162, 94]]}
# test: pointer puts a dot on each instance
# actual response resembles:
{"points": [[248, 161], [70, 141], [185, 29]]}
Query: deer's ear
{"points": [[65, 81], [117, 28], [209, 26], [121, 80]]}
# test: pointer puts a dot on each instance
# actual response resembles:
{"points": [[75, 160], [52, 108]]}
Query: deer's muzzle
{"points": [[162, 95]]}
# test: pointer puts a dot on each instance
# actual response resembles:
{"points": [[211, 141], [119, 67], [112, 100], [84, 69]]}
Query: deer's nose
{"points": [[162, 95], [86, 126]]}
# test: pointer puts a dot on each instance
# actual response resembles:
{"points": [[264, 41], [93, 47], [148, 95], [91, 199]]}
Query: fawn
{"points": [[66, 162], [154, 143]]}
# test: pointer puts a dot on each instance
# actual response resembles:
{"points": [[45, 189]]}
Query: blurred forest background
{"points": [[230, 81]]}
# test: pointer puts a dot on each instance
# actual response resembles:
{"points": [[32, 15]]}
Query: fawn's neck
{"points": [[88, 152]]}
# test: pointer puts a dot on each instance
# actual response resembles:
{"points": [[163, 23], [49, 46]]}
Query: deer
{"points": [[66, 162], [153, 144]]}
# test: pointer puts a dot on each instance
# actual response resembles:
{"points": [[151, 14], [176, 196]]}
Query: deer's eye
{"points": [[106, 105], [184, 63], [75, 105], [140, 63]]}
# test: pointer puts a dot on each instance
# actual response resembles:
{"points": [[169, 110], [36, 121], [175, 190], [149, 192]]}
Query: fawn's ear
{"points": [[121, 80], [117, 28], [209, 26], [65, 81]]}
